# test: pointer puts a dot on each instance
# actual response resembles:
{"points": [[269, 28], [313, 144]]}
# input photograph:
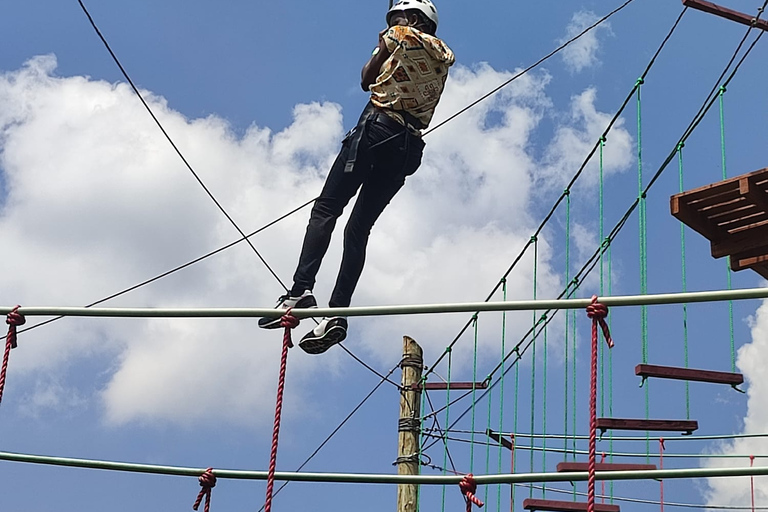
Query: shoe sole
{"points": [[274, 322], [318, 345]]}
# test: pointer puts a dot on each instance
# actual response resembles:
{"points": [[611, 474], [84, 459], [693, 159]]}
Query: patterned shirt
{"points": [[413, 77]]}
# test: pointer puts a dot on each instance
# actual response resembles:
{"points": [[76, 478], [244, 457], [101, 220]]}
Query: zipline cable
{"points": [[180, 267], [175, 147]]}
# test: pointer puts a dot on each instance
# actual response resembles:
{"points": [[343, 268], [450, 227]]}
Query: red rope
{"points": [[597, 312], [13, 320], [207, 482], [289, 322], [752, 482], [468, 488]]}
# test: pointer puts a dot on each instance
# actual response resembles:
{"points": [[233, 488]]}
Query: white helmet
{"points": [[426, 7]]}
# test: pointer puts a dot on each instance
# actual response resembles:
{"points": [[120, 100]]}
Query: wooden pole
{"points": [[409, 426]]}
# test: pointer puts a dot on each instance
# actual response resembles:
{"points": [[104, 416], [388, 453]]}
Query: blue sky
{"points": [[257, 97]]}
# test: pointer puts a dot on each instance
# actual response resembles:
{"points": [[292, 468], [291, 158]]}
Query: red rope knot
{"points": [[207, 482], [13, 320], [597, 312], [468, 488], [289, 322]]}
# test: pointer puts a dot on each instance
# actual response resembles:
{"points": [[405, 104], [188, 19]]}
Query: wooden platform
{"points": [[685, 426], [566, 506], [673, 372], [733, 216], [571, 467]]}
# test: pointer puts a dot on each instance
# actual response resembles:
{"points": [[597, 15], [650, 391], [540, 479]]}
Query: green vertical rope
{"points": [[610, 358], [516, 417], [643, 251], [501, 384], [544, 417], [574, 388], [421, 435], [474, 385], [488, 445], [685, 282], [535, 241], [602, 273], [567, 315], [727, 261], [447, 419]]}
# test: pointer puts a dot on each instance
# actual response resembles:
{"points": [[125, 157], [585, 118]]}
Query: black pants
{"points": [[383, 153]]}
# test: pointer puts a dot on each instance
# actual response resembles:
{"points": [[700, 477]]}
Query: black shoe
{"points": [[305, 300], [328, 333]]}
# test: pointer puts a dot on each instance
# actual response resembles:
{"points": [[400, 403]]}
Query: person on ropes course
{"points": [[405, 75]]}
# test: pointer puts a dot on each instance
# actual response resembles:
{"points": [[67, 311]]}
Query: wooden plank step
{"points": [[438, 386], [729, 14], [570, 467], [685, 426], [503, 441], [565, 506], [674, 372]]}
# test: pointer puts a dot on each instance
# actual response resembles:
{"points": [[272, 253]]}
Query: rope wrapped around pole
{"points": [[597, 312], [13, 320], [468, 488], [207, 482], [289, 322]]}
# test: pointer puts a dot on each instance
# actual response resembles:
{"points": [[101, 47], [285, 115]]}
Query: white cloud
{"points": [[582, 53], [98, 201], [752, 360], [576, 136]]}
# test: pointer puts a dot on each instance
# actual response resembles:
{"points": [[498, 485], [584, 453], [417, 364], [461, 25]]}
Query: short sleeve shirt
{"points": [[413, 77]]}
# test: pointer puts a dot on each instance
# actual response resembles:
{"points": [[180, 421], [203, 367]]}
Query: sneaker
{"points": [[330, 331], [305, 300]]}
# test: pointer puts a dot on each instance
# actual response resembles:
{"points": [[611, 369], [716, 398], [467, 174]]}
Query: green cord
{"points": [[610, 358], [567, 315], [544, 417], [501, 393], [727, 262], [474, 403], [421, 436], [602, 274], [447, 419], [685, 282], [573, 386], [517, 396], [643, 252], [533, 349]]}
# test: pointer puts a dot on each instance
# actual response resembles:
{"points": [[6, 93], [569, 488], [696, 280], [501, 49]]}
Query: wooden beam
{"points": [[565, 506], [676, 373], [724, 12], [685, 426], [571, 467]]}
